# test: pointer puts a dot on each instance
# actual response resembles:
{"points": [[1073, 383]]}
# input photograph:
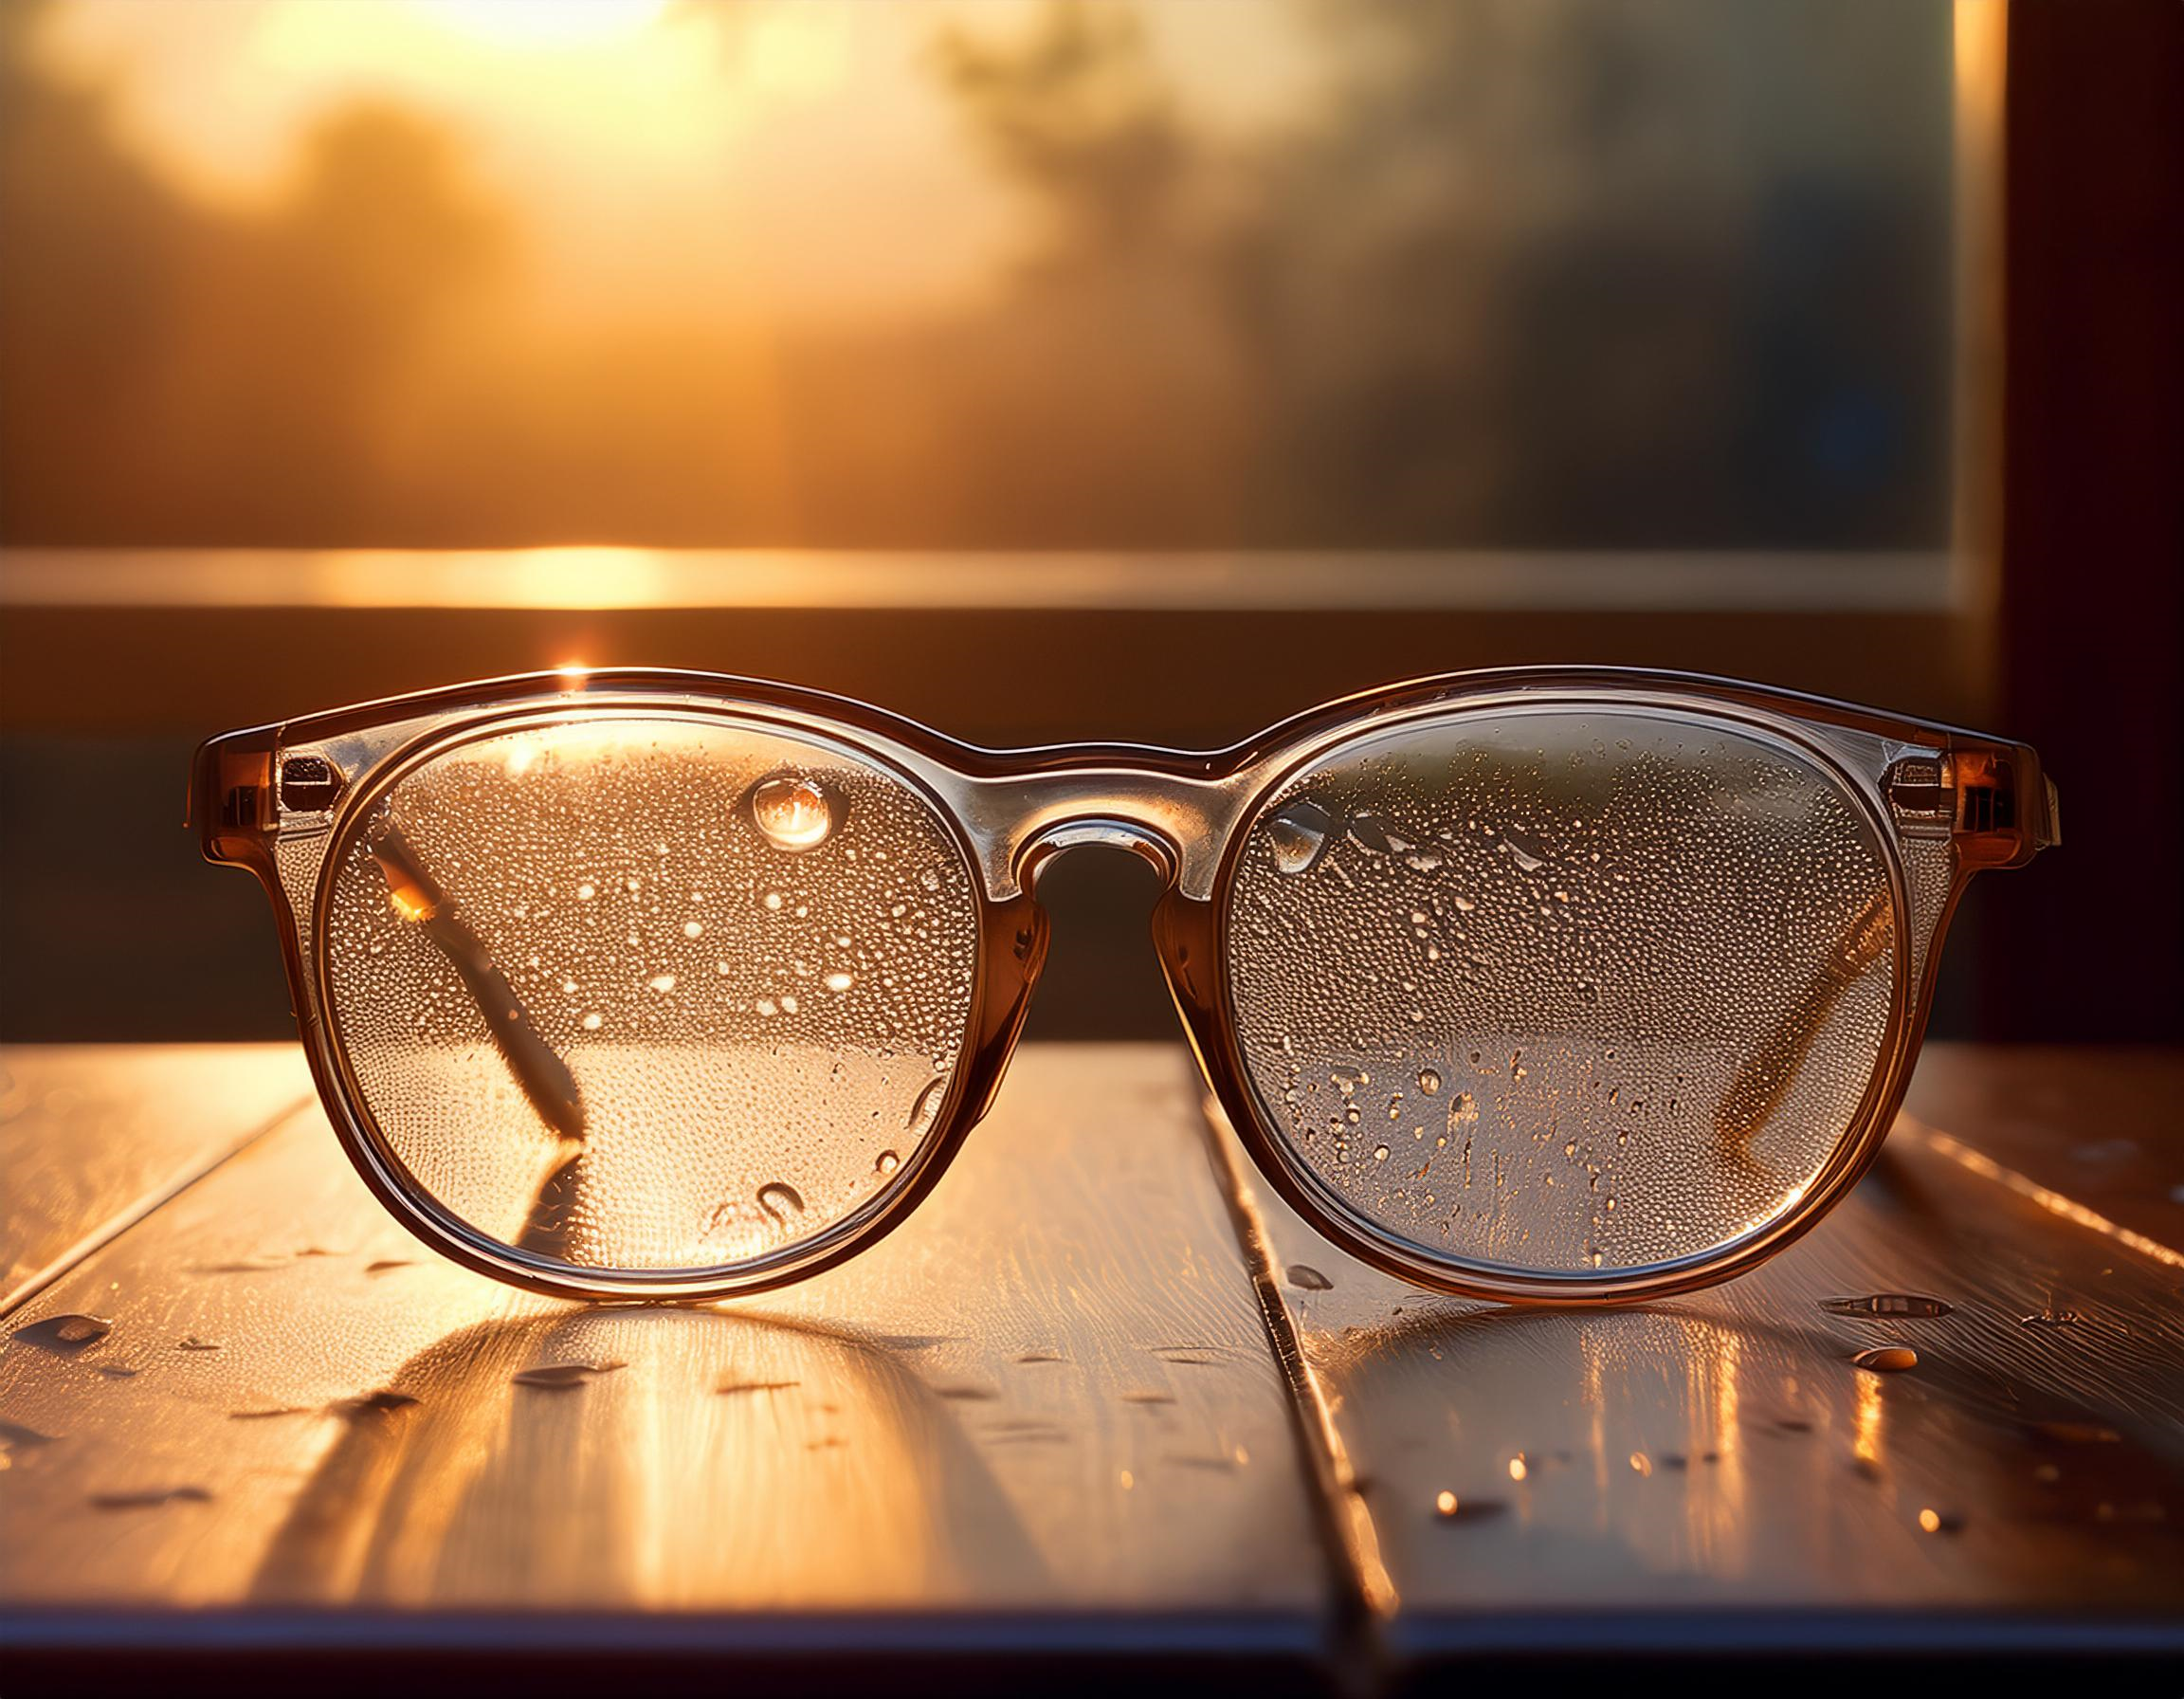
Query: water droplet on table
{"points": [[72, 1331], [151, 1498], [1886, 1304], [564, 1377]]}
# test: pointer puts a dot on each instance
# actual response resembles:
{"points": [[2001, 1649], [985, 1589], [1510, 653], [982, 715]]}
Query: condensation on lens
{"points": [[1607, 986], [762, 1023]]}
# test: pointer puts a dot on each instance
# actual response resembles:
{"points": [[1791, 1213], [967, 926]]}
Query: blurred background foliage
{"points": [[1306, 273]]}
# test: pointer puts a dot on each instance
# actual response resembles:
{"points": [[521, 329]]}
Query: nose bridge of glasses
{"points": [[1021, 823]]}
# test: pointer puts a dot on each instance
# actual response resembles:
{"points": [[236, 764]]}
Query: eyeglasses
{"points": [[1573, 984]]}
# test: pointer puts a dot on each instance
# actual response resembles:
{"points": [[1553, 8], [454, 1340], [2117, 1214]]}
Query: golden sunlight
{"points": [[545, 23]]}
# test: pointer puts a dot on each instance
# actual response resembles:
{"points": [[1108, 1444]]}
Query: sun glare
{"points": [[544, 23]]}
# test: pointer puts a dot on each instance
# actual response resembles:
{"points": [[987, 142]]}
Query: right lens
{"points": [[632, 992], [1561, 990]]}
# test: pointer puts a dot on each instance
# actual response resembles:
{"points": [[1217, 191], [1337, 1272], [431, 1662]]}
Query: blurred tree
{"points": [[1517, 273]]}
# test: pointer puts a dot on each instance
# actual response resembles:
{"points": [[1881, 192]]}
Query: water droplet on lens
{"points": [[693, 928], [1369, 834], [661, 982], [927, 1106], [1308, 1279], [1380, 1152], [1428, 1080], [591, 1022], [780, 1199], [1298, 834], [1888, 1359], [585, 892], [793, 814], [839, 981], [888, 1162]]}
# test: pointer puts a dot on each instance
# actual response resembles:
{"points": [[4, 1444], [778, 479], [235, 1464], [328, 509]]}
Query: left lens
{"points": [[1561, 991], [637, 992]]}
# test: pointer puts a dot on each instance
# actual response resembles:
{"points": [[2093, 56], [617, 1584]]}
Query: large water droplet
{"points": [[1298, 834], [793, 814], [780, 1199], [1428, 1080], [887, 1163], [1888, 1359]]}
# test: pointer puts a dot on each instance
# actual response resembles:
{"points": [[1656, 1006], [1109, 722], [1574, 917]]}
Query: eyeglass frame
{"points": [[1999, 807]]}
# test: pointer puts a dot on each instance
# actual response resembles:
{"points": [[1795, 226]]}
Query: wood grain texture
{"points": [[1658, 1466], [92, 1135], [1046, 1414], [1051, 1391], [2103, 1126]]}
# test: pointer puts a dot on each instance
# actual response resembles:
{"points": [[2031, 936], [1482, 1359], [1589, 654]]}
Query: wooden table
{"points": [[1103, 1409]]}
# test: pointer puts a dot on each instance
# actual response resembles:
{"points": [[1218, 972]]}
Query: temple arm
{"points": [[1766, 1077], [417, 896]]}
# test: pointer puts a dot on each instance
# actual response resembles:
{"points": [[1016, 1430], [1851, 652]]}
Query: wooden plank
{"points": [[1049, 1393], [1622, 1478], [2101, 1126], [93, 1135]]}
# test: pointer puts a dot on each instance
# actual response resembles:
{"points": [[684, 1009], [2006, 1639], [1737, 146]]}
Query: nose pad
{"points": [[1097, 834], [1101, 980]]}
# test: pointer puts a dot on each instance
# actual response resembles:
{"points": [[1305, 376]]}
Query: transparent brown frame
{"points": [[1187, 813]]}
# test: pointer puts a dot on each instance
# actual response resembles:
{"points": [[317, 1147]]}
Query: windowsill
{"points": [[611, 579]]}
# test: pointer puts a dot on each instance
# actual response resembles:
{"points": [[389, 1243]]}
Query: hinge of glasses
{"points": [[310, 785], [1919, 795]]}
